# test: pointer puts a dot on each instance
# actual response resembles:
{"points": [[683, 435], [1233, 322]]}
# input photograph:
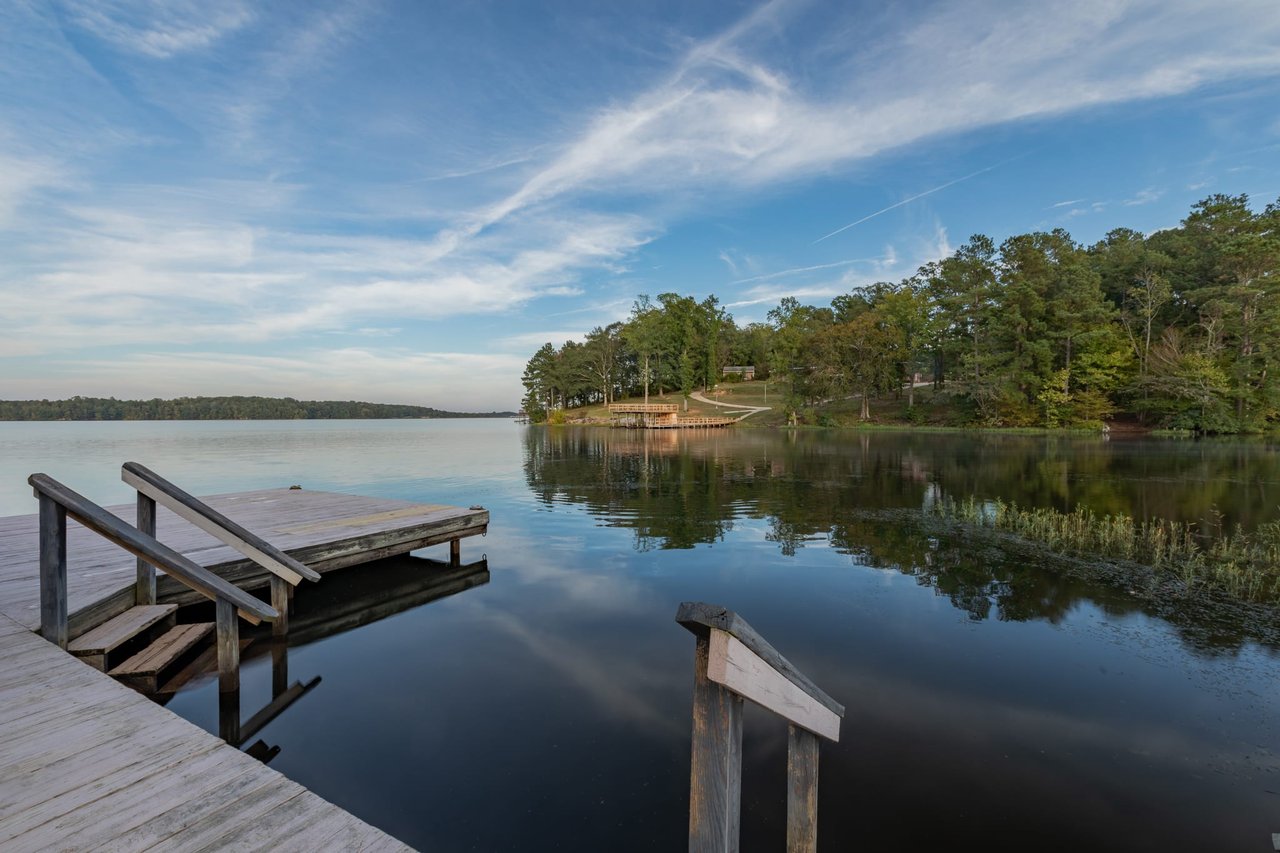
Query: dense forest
{"points": [[214, 409], [1178, 329]]}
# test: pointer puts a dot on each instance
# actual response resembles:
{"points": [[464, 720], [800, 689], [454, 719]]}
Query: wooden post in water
{"points": [[280, 601], [53, 570], [802, 790], [455, 552], [146, 588], [229, 718], [715, 777], [228, 639], [279, 668]]}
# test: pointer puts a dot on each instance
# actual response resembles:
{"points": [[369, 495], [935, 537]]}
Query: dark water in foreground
{"points": [[992, 703]]}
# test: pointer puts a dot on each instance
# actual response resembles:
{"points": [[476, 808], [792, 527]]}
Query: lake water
{"points": [[992, 703]]}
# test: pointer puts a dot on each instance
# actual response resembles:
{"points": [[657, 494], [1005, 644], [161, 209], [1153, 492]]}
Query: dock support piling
{"points": [[280, 601], [802, 790], [146, 588], [715, 799], [53, 571], [228, 647], [229, 717], [279, 668], [455, 552]]}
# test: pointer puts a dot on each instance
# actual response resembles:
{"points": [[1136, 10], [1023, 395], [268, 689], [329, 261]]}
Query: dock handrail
{"points": [[731, 663], [153, 489], [58, 501]]}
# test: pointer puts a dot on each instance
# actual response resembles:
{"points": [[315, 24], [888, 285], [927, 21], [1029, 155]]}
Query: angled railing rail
{"points": [[57, 502], [152, 489], [733, 662]]}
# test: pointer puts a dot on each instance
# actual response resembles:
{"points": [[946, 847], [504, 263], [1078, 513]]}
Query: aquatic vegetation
{"points": [[1244, 565]]}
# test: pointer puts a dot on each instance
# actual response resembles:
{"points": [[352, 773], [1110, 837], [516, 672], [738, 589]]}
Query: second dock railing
{"points": [[731, 663]]}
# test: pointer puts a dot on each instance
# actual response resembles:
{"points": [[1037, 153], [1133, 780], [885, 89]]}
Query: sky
{"points": [[401, 201]]}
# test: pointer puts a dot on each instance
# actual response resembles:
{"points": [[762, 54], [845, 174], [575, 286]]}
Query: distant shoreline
{"points": [[221, 409]]}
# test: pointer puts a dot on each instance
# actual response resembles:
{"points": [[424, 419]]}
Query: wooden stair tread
{"points": [[165, 650], [115, 632]]}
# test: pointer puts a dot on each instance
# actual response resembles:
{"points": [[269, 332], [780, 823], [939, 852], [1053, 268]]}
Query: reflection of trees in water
{"points": [[679, 489], [974, 578]]}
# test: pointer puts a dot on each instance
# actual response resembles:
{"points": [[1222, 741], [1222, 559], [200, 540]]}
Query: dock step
{"points": [[95, 647], [148, 668], [203, 664]]}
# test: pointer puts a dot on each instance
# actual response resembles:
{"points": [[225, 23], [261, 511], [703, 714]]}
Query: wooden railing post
{"points": [[732, 663], [802, 790], [53, 570], [280, 601], [228, 638], [146, 587], [715, 799]]}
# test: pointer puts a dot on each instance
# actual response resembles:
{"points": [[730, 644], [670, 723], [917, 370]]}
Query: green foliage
{"points": [[1181, 328]]}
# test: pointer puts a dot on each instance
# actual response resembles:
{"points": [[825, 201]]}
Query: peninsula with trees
{"points": [[1178, 329]]}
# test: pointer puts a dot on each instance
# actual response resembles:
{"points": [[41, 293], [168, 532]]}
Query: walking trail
{"points": [[751, 410]]}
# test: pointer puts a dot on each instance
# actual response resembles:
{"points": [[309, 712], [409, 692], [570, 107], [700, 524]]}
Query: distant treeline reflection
{"points": [[865, 493]]}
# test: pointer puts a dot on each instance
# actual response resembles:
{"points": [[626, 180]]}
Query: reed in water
{"points": [[1242, 564]]}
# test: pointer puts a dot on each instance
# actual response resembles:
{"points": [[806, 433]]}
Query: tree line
{"points": [[215, 409], [1179, 328]]}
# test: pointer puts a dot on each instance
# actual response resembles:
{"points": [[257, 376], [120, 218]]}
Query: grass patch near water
{"points": [[1244, 565]]}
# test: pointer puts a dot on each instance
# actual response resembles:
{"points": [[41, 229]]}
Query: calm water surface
{"points": [[991, 703]]}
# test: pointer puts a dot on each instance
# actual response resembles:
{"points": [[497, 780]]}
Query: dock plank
{"points": [[104, 768]]}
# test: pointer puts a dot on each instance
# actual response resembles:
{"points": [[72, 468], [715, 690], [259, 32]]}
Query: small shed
{"points": [[745, 371]]}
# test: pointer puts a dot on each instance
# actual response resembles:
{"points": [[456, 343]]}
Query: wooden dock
{"points": [[324, 530], [660, 416], [87, 764]]}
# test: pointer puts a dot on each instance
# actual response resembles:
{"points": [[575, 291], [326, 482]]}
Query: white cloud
{"points": [[195, 260], [21, 177], [159, 28], [526, 342], [888, 267], [1145, 196], [800, 270]]}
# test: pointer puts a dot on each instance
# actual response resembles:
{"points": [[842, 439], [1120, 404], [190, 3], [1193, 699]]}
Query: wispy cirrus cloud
{"points": [[247, 204], [159, 29]]}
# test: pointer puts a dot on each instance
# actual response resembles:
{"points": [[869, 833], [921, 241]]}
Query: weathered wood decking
{"points": [[86, 763], [325, 530]]}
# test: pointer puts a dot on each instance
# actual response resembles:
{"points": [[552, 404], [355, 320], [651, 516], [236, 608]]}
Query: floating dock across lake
{"points": [[85, 761]]}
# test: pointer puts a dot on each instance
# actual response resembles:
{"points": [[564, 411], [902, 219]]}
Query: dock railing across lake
{"points": [[731, 663], [57, 502]]}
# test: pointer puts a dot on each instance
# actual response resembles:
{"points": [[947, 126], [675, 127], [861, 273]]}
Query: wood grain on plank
{"points": [[90, 764], [747, 674]]}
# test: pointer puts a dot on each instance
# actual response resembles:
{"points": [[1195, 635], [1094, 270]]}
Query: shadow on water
{"points": [[345, 602], [863, 494]]}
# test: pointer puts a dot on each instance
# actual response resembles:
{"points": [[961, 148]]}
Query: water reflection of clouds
{"points": [[885, 703], [623, 686]]}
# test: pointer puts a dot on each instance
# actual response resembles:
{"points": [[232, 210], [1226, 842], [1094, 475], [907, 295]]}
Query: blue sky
{"points": [[399, 201]]}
